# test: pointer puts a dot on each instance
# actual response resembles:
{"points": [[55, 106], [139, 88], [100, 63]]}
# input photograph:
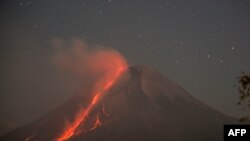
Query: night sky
{"points": [[201, 45]]}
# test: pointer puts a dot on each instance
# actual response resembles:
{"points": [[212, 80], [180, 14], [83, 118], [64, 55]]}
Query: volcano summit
{"points": [[142, 105]]}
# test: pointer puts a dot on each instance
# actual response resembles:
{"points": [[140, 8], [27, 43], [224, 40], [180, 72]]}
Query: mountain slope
{"points": [[141, 105]]}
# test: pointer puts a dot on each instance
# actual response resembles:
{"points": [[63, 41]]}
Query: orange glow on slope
{"points": [[30, 138], [104, 111], [113, 71], [97, 123]]}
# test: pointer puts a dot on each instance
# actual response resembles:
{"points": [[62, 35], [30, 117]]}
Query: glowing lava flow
{"points": [[118, 68], [97, 123]]}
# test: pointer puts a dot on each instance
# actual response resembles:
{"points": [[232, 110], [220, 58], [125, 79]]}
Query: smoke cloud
{"points": [[92, 64]]}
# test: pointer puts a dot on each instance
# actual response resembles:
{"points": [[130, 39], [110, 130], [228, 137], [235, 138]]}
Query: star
{"points": [[30, 52], [177, 61], [35, 26], [233, 48], [139, 35]]}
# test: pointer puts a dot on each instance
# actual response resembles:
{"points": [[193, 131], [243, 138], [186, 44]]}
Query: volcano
{"points": [[142, 105]]}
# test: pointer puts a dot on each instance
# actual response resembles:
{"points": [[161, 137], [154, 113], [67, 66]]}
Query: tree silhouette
{"points": [[244, 91]]}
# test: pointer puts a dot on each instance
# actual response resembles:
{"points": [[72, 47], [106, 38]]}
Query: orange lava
{"points": [[30, 138], [104, 111], [114, 70], [97, 123]]}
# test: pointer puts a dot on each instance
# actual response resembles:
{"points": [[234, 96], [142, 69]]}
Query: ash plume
{"points": [[87, 62]]}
